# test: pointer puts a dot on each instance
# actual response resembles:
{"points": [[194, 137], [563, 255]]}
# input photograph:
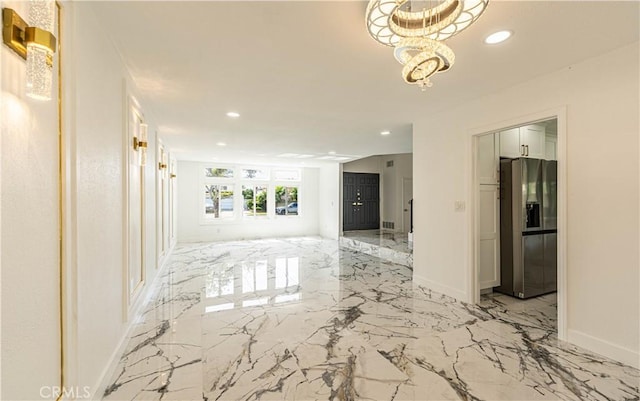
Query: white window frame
{"points": [[257, 183], [267, 170], [204, 180], [286, 184], [238, 182]]}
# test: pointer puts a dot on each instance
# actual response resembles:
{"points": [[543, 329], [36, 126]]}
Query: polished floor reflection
{"points": [[390, 246], [384, 238], [303, 319]]}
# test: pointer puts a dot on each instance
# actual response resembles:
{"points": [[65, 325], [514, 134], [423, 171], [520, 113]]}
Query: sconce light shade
{"points": [[40, 48], [142, 143]]}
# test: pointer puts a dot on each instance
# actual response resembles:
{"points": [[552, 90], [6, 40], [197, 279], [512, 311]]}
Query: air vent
{"points": [[389, 163], [388, 224]]}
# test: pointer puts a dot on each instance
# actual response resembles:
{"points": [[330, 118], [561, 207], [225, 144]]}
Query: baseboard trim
{"points": [[605, 348], [441, 288], [143, 300]]}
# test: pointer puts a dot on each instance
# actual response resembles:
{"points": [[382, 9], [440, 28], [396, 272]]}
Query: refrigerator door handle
{"points": [[527, 147], [521, 150]]}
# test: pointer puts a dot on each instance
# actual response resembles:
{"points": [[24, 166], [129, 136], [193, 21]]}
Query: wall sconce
{"points": [[35, 43], [162, 165], [141, 143]]}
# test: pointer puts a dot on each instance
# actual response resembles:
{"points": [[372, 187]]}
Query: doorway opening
{"points": [[518, 215], [385, 182]]}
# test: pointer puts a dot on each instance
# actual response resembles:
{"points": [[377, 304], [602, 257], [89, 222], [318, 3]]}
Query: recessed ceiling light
{"points": [[222, 144], [233, 114], [498, 37], [385, 133], [332, 152]]}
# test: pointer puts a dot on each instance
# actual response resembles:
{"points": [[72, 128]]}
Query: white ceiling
{"points": [[307, 79]]}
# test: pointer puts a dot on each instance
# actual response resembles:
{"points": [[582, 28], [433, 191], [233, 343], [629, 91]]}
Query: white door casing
{"points": [[407, 195], [473, 282], [135, 272]]}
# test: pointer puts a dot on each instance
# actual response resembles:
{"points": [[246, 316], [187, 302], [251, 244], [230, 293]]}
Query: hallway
{"points": [[303, 319]]}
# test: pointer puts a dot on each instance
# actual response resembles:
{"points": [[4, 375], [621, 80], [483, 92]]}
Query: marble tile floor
{"points": [[388, 245], [305, 319], [384, 238]]}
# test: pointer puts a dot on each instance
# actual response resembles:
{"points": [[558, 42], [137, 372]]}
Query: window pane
{"points": [[218, 201], [218, 172], [287, 175], [255, 200], [286, 200], [255, 174]]}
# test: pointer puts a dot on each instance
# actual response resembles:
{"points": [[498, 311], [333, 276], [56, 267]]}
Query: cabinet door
{"points": [[489, 246], [488, 159], [533, 137], [551, 148], [510, 143]]}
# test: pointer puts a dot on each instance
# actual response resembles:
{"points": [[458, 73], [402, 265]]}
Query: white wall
{"points": [[192, 229], [30, 345], [392, 186], [371, 164], [329, 201], [100, 88], [602, 165]]}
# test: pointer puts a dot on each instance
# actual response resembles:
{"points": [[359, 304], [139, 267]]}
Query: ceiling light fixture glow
{"points": [[417, 35], [332, 152], [221, 144], [233, 114], [385, 133], [498, 37]]}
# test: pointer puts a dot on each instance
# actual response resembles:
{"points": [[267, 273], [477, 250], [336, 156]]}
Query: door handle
{"points": [[521, 150], [359, 203], [354, 204], [527, 147]]}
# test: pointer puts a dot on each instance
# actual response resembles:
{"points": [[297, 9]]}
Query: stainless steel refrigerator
{"points": [[528, 227]]}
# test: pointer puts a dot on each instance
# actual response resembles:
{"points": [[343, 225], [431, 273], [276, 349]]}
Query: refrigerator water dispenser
{"points": [[533, 215]]}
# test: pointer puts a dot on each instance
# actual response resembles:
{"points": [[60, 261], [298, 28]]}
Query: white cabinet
{"points": [[488, 175], [527, 141], [532, 137], [510, 143], [489, 244], [488, 159], [551, 147]]}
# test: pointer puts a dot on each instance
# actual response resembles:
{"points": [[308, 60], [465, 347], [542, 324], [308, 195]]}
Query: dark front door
{"points": [[361, 201]]}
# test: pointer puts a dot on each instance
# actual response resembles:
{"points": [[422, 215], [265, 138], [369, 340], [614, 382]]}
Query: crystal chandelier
{"points": [[417, 36]]}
